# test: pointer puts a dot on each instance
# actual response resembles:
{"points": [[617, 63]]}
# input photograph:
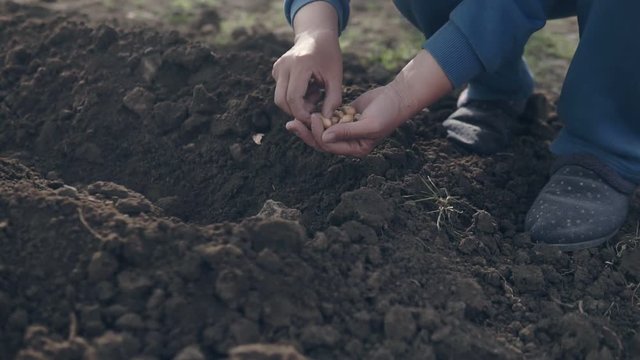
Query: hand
{"points": [[379, 109], [418, 85], [313, 63]]}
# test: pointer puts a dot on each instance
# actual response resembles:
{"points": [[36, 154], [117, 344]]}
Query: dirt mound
{"points": [[136, 220], [169, 119]]}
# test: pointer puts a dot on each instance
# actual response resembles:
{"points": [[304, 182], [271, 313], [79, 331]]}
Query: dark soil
{"points": [[137, 220]]}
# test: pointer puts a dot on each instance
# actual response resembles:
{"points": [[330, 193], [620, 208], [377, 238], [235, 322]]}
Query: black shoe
{"points": [[584, 204], [485, 126]]}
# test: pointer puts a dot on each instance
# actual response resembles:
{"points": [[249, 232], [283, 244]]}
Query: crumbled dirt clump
{"points": [[140, 219], [170, 119]]}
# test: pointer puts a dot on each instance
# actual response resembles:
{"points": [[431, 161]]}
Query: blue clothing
{"points": [[291, 7], [481, 42], [473, 40], [599, 104]]}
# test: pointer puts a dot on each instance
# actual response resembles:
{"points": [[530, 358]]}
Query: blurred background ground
{"points": [[377, 33]]}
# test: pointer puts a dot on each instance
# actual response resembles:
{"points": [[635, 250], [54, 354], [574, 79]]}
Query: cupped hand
{"points": [[381, 114], [312, 64]]}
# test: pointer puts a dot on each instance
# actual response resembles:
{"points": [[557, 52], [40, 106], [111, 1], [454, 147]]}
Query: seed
{"points": [[349, 110], [344, 115], [257, 138], [326, 122], [346, 119]]}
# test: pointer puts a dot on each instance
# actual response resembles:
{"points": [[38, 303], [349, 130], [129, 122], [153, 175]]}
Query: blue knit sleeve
{"points": [[291, 7], [483, 34]]}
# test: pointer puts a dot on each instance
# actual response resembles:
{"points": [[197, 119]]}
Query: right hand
{"points": [[313, 63]]}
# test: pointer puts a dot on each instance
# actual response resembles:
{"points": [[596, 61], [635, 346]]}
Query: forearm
{"points": [[316, 17], [420, 83], [481, 35]]}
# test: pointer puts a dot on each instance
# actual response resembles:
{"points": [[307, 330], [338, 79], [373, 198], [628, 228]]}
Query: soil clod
{"points": [[140, 219]]}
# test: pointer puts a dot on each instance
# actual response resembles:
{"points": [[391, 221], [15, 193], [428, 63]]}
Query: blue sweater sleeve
{"points": [[291, 7], [483, 34]]}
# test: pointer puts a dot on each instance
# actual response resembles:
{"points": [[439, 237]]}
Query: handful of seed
{"points": [[342, 115]]}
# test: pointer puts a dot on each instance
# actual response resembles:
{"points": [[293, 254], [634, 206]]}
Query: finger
{"points": [[333, 97], [280, 95], [314, 95], [349, 148], [363, 101], [317, 128], [359, 130], [296, 91], [301, 131], [275, 70]]}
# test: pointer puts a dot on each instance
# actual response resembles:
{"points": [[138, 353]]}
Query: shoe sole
{"points": [[579, 246]]}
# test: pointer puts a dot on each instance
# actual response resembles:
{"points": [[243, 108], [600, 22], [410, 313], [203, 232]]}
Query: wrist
{"points": [[399, 90], [421, 82], [317, 35], [316, 17]]}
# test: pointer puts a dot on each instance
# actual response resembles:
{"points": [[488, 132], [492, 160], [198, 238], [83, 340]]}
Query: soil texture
{"points": [[152, 206]]}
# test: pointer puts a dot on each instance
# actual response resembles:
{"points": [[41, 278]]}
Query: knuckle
{"points": [[303, 57], [281, 104], [277, 66]]}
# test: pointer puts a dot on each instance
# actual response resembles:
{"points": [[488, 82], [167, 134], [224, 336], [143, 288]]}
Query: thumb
{"points": [[363, 101], [333, 98], [358, 130]]}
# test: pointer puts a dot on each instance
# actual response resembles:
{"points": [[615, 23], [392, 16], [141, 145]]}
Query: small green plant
{"points": [[447, 207]]}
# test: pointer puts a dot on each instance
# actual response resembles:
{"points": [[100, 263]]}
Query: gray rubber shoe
{"points": [[584, 204], [485, 126]]}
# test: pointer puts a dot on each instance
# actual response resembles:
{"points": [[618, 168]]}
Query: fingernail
{"points": [[288, 125]]}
